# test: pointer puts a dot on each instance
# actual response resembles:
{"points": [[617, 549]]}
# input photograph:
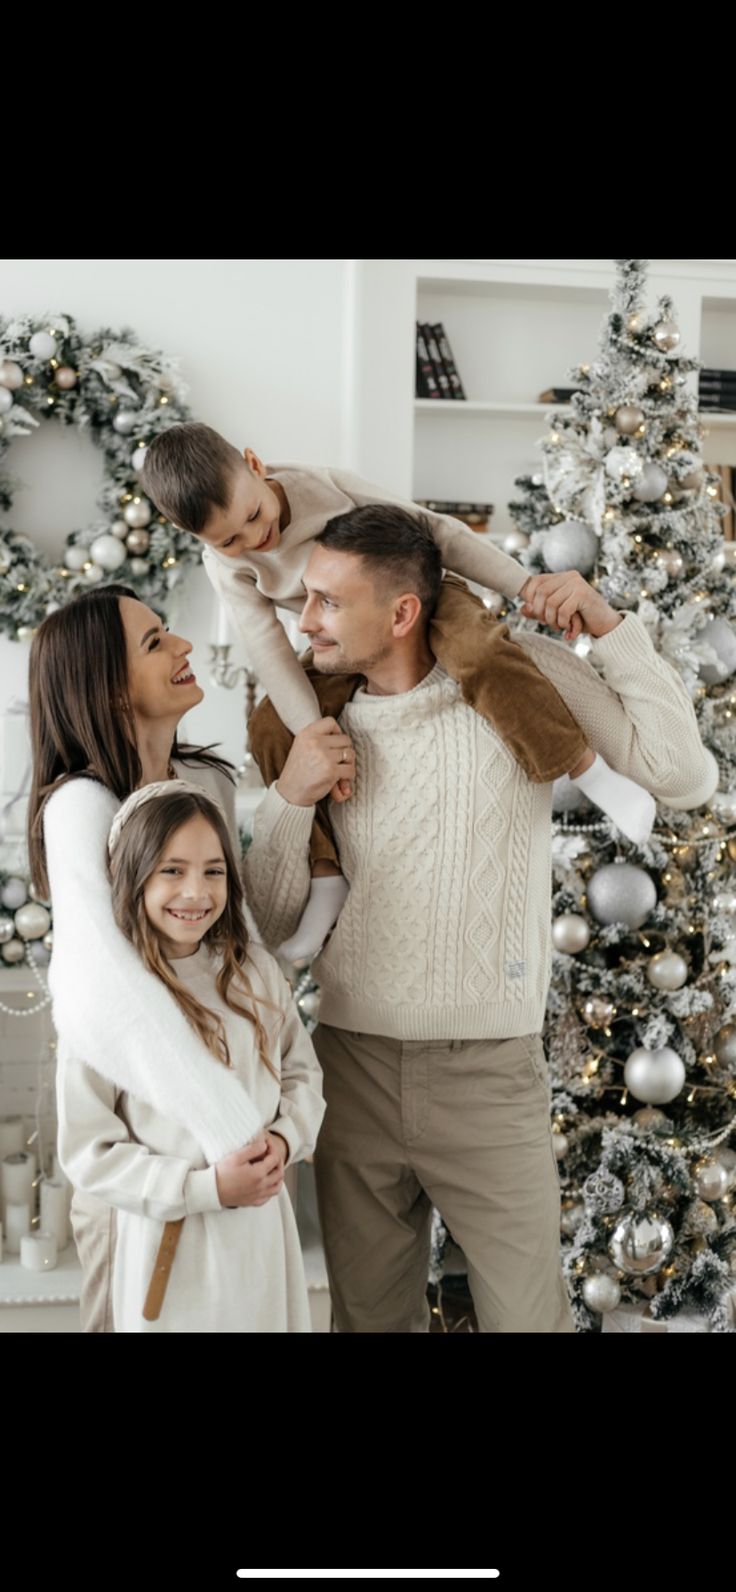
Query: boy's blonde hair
{"points": [[188, 471]]}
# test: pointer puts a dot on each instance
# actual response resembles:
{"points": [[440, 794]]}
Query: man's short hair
{"points": [[398, 547]]}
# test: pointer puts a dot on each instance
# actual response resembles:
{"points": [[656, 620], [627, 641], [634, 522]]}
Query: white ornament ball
{"points": [[11, 375], [75, 556], [725, 902], [6, 400], [139, 566], [719, 635], [42, 345], [601, 1293], [667, 970], [309, 1003], [711, 1179], [125, 421], [570, 545], [627, 419], [651, 484], [14, 893], [7, 930], [25, 633], [571, 1218], [621, 892], [622, 462], [641, 1244], [514, 541], [108, 552], [66, 378], [119, 528], [94, 574], [655, 1076], [138, 458], [32, 921], [52, 608], [138, 514], [727, 1158], [560, 1144], [494, 602], [725, 558], [48, 940], [13, 951], [570, 933]]}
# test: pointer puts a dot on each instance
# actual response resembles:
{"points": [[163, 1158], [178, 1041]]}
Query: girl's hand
{"points": [[250, 1176]]}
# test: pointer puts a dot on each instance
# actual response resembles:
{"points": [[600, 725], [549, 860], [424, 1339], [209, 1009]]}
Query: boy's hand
{"points": [[567, 601]]}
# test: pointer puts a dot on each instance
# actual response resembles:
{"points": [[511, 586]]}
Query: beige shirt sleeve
{"points": [[301, 1107], [266, 643]]}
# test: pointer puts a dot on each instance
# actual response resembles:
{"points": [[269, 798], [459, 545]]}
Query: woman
{"points": [[108, 687]]}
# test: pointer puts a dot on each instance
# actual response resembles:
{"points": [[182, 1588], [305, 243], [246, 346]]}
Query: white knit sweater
{"points": [[106, 1006], [446, 843], [253, 586]]}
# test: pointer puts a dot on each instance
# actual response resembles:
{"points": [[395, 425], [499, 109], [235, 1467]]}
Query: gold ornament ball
{"points": [[11, 375], [137, 542], [598, 1012], [628, 419], [635, 321], [66, 378], [725, 1045], [693, 481], [666, 336]]}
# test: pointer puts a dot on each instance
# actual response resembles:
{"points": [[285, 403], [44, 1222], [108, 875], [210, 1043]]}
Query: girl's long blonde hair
{"points": [[137, 851]]}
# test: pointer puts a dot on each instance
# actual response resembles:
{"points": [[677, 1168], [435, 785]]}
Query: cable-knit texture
{"points": [[446, 844]]}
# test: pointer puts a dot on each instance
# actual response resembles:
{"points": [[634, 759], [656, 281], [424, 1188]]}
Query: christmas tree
{"points": [[641, 1017]]}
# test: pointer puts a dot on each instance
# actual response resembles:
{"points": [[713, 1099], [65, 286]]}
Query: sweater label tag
{"points": [[515, 969]]}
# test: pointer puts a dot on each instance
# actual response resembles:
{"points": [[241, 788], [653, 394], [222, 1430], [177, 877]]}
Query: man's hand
{"points": [[321, 760], [250, 1176], [568, 602]]}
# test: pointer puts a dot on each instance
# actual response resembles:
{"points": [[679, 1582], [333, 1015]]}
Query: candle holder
{"points": [[223, 673]]}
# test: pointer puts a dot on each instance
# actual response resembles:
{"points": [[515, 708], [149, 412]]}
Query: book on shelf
{"points": [[714, 401], [557, 395], [474, 515], [716, 378], [427, 383], [443, 379], [446, 355]]}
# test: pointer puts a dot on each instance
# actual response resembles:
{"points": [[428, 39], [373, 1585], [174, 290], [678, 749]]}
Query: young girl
{"points": [[199, 1248]]}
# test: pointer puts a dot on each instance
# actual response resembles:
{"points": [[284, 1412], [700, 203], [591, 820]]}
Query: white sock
{"points": [[326, 898], [628, 804]]}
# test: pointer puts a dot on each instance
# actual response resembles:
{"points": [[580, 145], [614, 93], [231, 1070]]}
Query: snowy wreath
{"points": [[124, 395]]}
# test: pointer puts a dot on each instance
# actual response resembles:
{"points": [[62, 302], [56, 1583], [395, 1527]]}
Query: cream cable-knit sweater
{"points": [[251, 587], [446, 843], [106, 1006]]}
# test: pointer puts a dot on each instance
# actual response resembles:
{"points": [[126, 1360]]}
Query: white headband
{"points": [[164, 787]]}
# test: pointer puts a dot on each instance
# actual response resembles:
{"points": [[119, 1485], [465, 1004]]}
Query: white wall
{"points": [[262, 346]]}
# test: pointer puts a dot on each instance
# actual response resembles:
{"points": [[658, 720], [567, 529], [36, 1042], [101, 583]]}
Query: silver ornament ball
{"points": [[514, 541], [570, 545], [641, 1244], [75, 557], [711, 1179], [651, 484], [666, 336], [570, 933], [620, 892], [560, 1145], [719, 635], [120, 529], [655, 1076], [601, 1293], [139, 566], [627, 419], [725, 1045], [32, 921], [7, 930], [667, 970], [14, 893], [125, 421], [6, 400]]}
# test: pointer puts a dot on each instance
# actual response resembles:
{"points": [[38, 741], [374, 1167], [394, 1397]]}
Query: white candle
{"points": [[16, 1179], [38, 1251], [12, 1136], [222, 627], [55, 1211], [17, 1222]]}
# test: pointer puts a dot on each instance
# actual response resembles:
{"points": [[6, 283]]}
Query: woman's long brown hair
{"points": [[142, 842], [80, 721]]}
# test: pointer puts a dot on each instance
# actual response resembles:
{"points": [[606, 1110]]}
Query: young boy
{"points": [[258, 524]]}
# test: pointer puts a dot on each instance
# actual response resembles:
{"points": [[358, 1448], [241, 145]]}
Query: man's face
{"points": [[250, 523], [347, 616]]}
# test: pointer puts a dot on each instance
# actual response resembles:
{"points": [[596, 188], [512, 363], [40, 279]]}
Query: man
{"points": [[434, 981]]}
